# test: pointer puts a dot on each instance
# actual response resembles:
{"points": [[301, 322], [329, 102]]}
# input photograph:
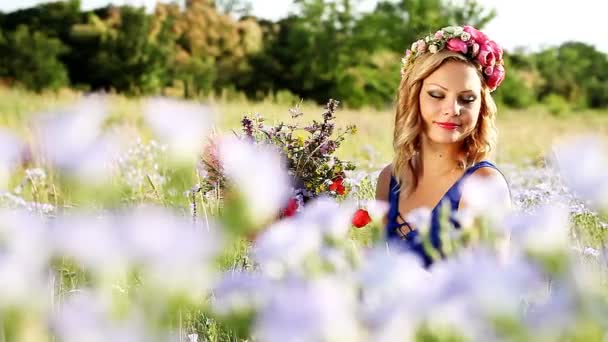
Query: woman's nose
{"points": [[452, 107]]}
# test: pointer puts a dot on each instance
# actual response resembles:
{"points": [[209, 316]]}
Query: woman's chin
{"points": [[446, 138]]}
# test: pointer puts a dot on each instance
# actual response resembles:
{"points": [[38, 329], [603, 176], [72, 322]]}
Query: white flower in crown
{"points": [[475, 49], [433, 48], [414, 46], [465, 36], [421, 45], [458, 30]]}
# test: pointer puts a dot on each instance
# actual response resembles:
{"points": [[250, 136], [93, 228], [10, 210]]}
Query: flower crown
{"points": [[469, 41]]}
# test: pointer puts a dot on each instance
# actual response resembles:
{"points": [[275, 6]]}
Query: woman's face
{"points": [[450, 102]]}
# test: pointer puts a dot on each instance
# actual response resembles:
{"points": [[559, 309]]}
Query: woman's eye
{"points": [[468, 99], [436, 95]]}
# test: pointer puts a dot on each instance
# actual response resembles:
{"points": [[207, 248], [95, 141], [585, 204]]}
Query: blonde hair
{"points": [[408, 121]]}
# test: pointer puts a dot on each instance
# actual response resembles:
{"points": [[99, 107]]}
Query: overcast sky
{"points": [[529, 23]]}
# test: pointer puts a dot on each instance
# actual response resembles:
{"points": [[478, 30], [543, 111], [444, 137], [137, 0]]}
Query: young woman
{"points": [[444, 130]]}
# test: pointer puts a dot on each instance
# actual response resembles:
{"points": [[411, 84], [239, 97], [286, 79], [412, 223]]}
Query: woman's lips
{"points": [[447, 125]]}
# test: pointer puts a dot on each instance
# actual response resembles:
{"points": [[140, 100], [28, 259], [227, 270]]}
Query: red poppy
{"points": [[337, 186], [361, 218], [292, 207]]}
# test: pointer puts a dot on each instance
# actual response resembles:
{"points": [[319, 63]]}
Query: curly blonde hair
{"points": [[409, 126]]}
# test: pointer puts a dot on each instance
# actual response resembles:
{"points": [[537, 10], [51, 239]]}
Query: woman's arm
{"points": [[382, 187]]}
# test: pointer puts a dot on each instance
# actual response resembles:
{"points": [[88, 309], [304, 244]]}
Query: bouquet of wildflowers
{"points": [[308, 150]]}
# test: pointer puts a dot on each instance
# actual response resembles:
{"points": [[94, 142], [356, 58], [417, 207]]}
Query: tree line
{"points": [[324, 49]]}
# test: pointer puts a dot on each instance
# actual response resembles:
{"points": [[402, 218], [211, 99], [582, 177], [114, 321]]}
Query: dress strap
{"points": [[393, 199]]}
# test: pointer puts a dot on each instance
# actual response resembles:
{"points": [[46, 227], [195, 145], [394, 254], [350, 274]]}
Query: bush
{"points": [[556, 104], [514, 92], [31, 58]]}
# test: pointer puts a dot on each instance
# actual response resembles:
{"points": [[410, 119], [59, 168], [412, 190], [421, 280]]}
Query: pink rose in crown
{"points": [[496, 49], [496, 78], [489, 70], [457, 45], [478, 36], [486, 56], [421, 45]]}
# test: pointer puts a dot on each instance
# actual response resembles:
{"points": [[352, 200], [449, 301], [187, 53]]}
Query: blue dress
{"points": [[411, 241]]}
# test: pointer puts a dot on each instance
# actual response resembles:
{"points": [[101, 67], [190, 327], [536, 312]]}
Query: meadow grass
{"points": [[525, 137]]}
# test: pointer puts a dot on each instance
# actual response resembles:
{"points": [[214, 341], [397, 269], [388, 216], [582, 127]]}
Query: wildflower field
{"points": [[117, 223]]}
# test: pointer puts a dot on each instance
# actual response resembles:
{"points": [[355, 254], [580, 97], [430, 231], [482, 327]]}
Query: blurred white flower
{"points": [[420, 218], [484, 197], [284, 246], [95, 166], [546, 230], [336, 259], [182, 125], [319, 310], [396, 325], [258, 173], [582, 162], [389, 282], [89, 238], [474, 286], [241, 292], [66, 136], [74, 142], [175, 255], [24, 258], [84, 316], [22, 285], [10, 149], [332, 219]]}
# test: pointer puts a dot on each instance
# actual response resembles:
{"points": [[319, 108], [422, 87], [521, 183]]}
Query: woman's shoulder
{"points": [[384, 181], [493, 177], [486, 169]]}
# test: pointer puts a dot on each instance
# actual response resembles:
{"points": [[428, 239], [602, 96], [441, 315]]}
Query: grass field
{"points": [[146, 177], [524, 135]]}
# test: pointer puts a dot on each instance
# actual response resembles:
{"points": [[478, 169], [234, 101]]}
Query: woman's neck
{"points": [[440, 159]]}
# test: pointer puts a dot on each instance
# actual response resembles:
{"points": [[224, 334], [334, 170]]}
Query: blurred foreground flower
{"points": [[179, 124], [258, 178], [10, 150], [319, 310], [582, 162], [73, 140]]}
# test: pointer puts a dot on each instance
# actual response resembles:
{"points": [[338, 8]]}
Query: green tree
{"points": [[128, 52], [31, 58], [329, 50], [519, 88], [394, 24], [575, 71]]}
